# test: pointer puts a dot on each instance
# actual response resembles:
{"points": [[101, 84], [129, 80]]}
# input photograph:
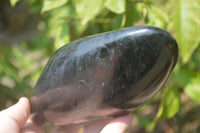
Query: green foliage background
{"points": [[61, 21]]}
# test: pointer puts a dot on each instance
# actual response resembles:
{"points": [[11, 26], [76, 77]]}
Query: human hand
{"points": [[15, 120], [118, 125]]}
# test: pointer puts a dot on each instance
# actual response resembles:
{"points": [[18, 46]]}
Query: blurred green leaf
{"points": [[59, 27], [157, 17], [116, 6], [118, 22], [194, 62], [13, 2], [183, 77], [88, 9], [132, 14], [62, 34], [170, 105], [192, 89], [145, 123], [51, 4], [80, 28], [185, 22], [8, 69], [18, 58]]}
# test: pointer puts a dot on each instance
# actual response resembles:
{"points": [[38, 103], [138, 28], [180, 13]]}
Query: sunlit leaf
{"points": [[51, 4], [116, 6], [157, 17], [59, 27], [13, 2], [62, 34], [88, 9], [185, 22], [192, 89]]}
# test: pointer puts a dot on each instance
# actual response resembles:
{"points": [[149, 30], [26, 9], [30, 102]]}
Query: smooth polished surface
{"points": [[104, 75]]}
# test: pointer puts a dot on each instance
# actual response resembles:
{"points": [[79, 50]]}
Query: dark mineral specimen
{"points": [[105, 75]]}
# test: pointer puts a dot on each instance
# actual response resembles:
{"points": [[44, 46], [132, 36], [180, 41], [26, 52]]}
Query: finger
{"points": [[14, 117], [69, 129], [31, 127], [118, 125], [96, 126]]}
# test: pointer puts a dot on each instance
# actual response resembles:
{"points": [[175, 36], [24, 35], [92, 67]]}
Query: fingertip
{"points": [[15, 116], [25, 102], [127, 119], [22, 99], [19, 112], [118, 125], [23, 110]]}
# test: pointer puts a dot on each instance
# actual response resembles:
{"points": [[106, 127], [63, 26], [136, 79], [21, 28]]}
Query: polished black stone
{"points": [[104, 75]]}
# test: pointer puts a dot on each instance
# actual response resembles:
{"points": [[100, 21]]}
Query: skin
{"points": [[15, 119]]}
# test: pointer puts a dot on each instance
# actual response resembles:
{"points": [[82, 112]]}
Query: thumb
{"points": [[14, 117]]}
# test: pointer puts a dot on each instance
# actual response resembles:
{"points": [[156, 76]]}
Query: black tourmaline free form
{"points": [[105, 75]]}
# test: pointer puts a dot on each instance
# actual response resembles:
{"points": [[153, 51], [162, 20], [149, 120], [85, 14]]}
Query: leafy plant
{"points": [[62, 21]]}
